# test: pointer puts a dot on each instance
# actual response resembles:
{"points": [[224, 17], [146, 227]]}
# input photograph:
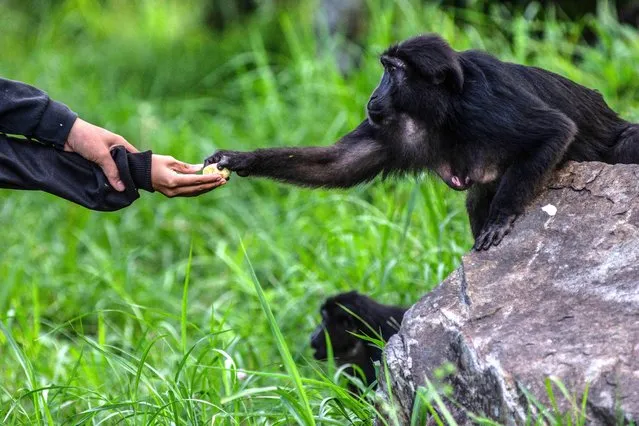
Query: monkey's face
{"points": [[381, 108], [337, 326], [421, 84], [406, 103], [396, 100]]}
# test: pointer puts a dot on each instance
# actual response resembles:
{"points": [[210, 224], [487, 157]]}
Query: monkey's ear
{"points": [[452, 76]]}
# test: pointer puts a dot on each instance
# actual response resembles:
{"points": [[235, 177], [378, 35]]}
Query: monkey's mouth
{"points": [[378, 117]]}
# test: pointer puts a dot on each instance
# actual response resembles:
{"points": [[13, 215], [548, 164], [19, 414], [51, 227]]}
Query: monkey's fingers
{"points": [[239, 162], [214, 169], [230, 160], [213, 159], [221, 158]]}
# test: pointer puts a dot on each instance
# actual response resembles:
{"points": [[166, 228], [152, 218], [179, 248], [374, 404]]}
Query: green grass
{"points": [[198, 311]]}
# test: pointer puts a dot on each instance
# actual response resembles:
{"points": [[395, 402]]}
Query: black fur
{"points": [[370, 319], [492, 127]]}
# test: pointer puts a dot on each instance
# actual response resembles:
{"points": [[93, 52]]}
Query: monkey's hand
{"points": [[494, 231], [239, 162]]}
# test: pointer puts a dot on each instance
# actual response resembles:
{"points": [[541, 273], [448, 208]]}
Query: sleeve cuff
{"points": [[55, 124], [140, 168]]}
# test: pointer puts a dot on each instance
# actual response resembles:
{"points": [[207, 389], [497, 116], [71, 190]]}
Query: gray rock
{"points": [[558, 297]]}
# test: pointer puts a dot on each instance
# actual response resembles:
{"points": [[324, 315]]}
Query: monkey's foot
{"points": [[239, 162], [494, 231]]}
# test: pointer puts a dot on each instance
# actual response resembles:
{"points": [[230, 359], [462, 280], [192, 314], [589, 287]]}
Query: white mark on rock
{"points": [[534, 256], [550, 209]]}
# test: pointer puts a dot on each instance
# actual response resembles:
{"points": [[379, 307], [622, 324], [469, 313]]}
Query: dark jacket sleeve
{"points": [[35, 166], [27, 111]]}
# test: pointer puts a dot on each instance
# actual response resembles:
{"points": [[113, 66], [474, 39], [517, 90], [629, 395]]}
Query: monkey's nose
{"points": [[373, 105]]}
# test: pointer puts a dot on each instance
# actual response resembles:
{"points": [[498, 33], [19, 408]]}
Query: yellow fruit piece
{"points": [[212, 169]]}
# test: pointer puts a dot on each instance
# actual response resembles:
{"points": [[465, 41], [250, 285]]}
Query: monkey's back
{"points": [[598, 125]]}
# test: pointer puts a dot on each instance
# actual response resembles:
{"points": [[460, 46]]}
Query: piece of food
{"points": [[212, 169]]}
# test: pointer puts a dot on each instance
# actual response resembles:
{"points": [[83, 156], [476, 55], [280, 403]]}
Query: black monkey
{"points": [[338, 322], [491, 127]]}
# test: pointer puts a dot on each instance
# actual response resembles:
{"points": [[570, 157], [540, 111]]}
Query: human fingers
{"points": [[193, 191], [170, 177], [187, 180], [117, 140], [184, 168], [111, 171]]}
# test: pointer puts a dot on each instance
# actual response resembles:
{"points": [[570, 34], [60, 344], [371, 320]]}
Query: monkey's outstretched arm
{"points": [[357, 157], [546, 138]]}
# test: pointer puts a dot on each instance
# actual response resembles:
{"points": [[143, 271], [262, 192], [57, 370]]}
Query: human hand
{"points": [[174, 178], [93, 143]]}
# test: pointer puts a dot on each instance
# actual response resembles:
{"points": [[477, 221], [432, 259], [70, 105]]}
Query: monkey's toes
{"points": [[494, 233]]}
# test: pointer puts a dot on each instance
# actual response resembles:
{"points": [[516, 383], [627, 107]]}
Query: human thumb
{"points": [[111, 171], [185, 168]]}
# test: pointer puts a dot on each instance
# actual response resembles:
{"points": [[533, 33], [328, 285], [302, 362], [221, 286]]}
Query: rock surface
{"points": [[558, 297]]}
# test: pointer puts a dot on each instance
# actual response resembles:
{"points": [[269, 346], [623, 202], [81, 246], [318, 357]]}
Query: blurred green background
{"points": [[151, 315]]}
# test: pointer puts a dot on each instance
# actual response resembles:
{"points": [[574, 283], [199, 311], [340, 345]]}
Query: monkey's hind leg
{"points": [[626, 150], [478, 201]]}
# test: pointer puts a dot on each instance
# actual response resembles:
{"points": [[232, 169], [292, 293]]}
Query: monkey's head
{"points": [[421, 76], [339, 325], [421, 80]]}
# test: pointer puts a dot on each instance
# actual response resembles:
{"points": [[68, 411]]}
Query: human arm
{"points": [[28, 111], [32, 166]]}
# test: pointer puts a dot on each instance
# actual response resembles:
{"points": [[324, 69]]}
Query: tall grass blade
{"points": [[289, 363]]}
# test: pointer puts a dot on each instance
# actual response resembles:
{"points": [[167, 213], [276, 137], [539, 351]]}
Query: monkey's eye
{"points": [[387, 64], [392, 66]]}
